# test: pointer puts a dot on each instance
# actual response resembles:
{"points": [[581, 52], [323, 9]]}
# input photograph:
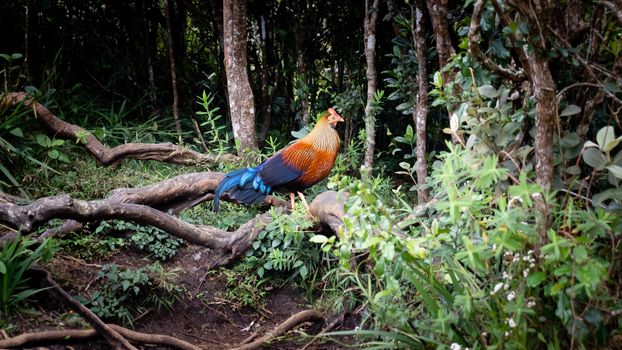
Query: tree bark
{"points": [[421, 110], [371, 18], [171, 57], [241, 103]]}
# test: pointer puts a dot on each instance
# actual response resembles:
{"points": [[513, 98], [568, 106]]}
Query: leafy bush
{"points": [[476, 272], [148, 238], [124, 291], [283, 246]]}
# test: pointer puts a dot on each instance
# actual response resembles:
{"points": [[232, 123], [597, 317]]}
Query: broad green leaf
{"points": [[53, 154], [570, 140], [2, 267], [404, 106], [604, 136], [570, 110], [616, 170], [17, 132], [535, 279], [43, 140], [304, 271], [594, 158], [488, 91], [573, 170], [319, 239], [590, 144]]}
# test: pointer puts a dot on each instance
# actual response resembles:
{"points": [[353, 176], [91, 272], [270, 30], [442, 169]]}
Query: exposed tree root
{"points": [[163, 152], [62, 336], [286, 326]]}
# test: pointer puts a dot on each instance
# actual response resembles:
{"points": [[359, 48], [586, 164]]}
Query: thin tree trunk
{"points": [[371, 17], [302, 68], [266, 95], [421, 110], [150, 43], [438, 16], [241, 104], [171, 56]]}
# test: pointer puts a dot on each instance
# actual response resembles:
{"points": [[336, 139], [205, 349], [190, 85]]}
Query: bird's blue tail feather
{"points": [[243, 185]]}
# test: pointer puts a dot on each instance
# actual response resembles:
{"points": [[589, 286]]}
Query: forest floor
{"points": [[203, 316]]}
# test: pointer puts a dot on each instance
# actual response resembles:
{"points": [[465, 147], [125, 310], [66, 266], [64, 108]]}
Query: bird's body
{"points": [[292, 169]]}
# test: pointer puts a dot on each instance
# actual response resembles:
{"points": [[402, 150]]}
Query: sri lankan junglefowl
{"points": [[292, 169]]}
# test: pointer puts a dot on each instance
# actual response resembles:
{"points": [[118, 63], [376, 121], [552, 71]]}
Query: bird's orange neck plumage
{"points": [[323, 136]]}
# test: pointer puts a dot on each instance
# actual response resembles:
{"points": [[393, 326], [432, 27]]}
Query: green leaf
{"points": [[604, 136], [43, 140], [304, 271], [404, 106], [125, 284], [488, 91], [570, 110], [570, 140], [53, 154], [321, 239], [2, 267], [535, 279], [410, 134], [594, 158], [573, 170], [454, 124], [17, 132], [616, 170]]}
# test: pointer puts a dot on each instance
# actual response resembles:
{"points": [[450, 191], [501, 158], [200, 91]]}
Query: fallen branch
{"points": [[154, 204], [163, 152], [286, 326]]}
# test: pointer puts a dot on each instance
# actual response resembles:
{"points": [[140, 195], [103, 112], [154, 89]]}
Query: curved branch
{"points": [[477, 53], [287, 325], [163, 152]]}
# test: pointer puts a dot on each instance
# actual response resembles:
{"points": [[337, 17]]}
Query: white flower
{"points": [[531, 303], [526, 273], [511, 323], [455, 346], [506, 286], [494, 247], [529, 252], [532, 265], [497, 288], [484, 334], [507, 276], [511, 295], [507, 334]]}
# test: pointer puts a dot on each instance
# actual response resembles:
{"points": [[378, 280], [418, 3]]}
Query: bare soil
{"points": [[204, 317]]}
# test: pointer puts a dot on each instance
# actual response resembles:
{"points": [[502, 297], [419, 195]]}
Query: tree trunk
{"points": [[371, 17], [302, 68], [241, 103], [150, 43], [438, 16], [171, 56], [266, 94], [421, 110]]}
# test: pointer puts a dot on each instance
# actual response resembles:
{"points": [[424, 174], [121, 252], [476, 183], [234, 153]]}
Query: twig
{"points": [[328, 328], [287, 325]]}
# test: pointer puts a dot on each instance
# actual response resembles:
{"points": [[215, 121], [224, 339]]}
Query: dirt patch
{"points": [[203, 316]]}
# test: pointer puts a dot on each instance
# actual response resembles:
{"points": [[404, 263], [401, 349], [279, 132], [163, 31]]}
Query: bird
{"points": [[293, 169]]}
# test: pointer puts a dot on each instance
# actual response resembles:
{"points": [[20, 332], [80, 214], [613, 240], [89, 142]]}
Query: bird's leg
{"points": [[292, 196], [304, 201]]}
